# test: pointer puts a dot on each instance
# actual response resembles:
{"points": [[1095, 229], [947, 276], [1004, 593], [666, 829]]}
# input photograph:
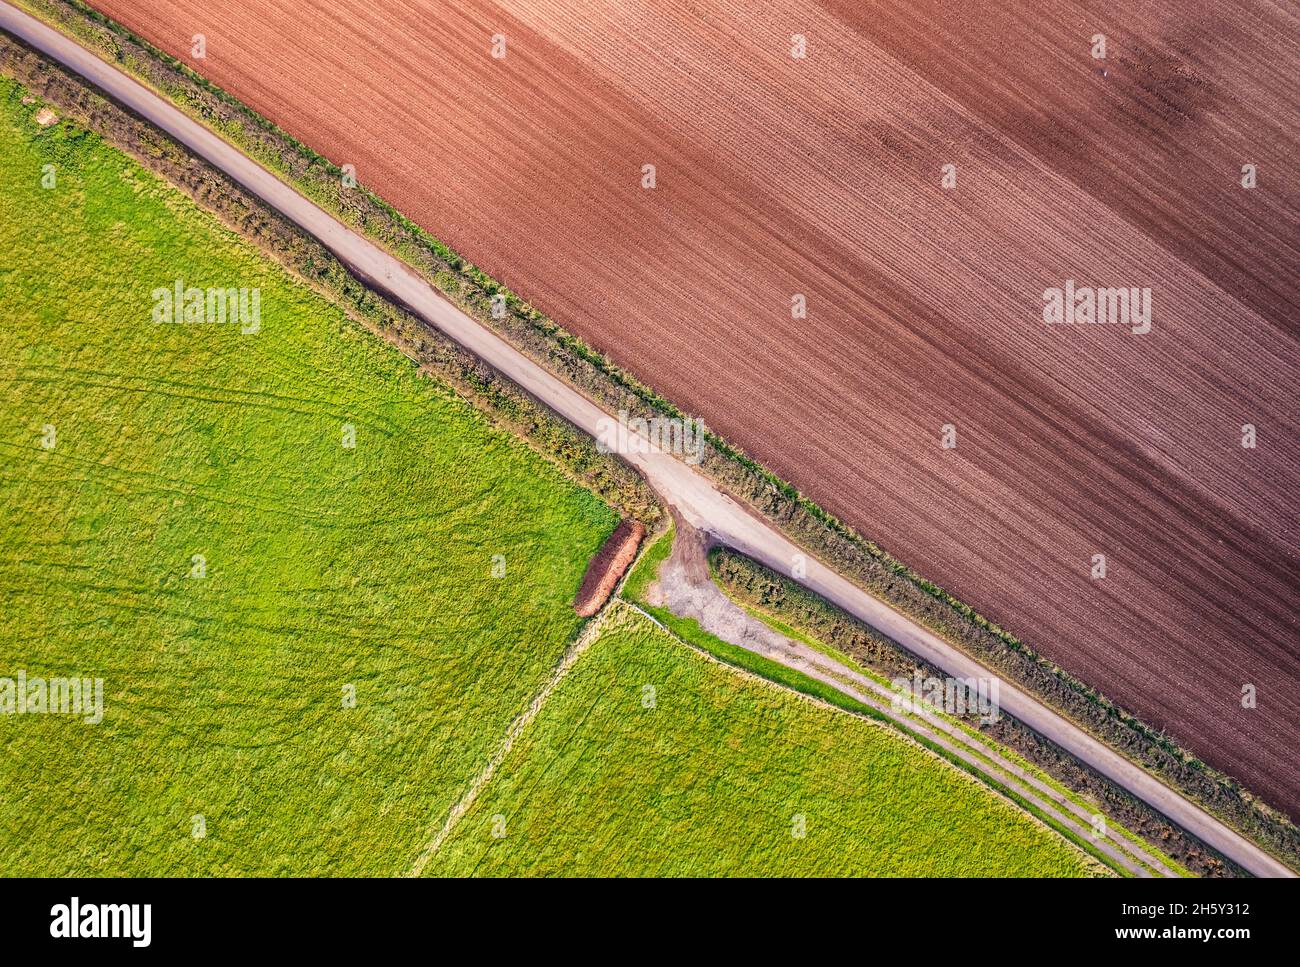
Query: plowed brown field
{"points": [[822, 176]]}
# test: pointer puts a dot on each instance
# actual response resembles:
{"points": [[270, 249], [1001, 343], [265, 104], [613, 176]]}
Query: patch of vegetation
{"points": [[646, 567], [199, 535], [650, 759]]}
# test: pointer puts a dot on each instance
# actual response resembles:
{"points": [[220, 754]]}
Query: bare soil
{"points": [[608, 566]]}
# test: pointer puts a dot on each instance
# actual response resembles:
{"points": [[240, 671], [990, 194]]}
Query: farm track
{"points": [[821, 176], [694, 498], [586, 638]]}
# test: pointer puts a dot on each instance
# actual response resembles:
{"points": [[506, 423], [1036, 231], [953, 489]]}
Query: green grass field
{"points": [[713, 778], [325, 566]]}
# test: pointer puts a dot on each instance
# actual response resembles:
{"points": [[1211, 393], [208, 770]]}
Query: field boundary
{"points": [[585, 639], [799, 518]]}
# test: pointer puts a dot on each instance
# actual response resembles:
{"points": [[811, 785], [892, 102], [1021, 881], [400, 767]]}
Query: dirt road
{"points": [[822, 176], [691, 495]]}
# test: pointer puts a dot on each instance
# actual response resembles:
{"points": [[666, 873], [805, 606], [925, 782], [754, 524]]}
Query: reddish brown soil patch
{"points": [[607, 567], [821, 176]]}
